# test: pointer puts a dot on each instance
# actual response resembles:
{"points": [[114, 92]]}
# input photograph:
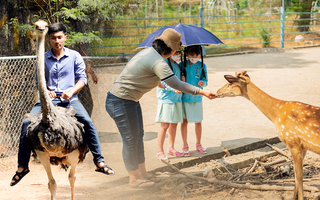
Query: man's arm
{"points": [[67, 95]]}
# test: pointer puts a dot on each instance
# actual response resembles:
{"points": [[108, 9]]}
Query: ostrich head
{"points": [[41, 28]]}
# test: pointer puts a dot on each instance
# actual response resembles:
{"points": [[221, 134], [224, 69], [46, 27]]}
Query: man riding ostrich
{"points": [[57, 86]]}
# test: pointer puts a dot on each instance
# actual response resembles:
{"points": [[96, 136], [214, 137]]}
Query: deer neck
{"points": [[264, 102], [46, 104]]}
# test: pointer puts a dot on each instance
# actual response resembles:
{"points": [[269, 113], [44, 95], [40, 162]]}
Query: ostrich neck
{"points": [[264, 102], [46, 104]]}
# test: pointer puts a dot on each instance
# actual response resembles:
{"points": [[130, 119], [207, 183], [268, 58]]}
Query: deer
{"points": [[297, 123]]}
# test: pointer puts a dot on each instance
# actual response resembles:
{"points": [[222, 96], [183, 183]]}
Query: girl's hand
{"points": [[177, 91], [161, 86], [201, 83]]}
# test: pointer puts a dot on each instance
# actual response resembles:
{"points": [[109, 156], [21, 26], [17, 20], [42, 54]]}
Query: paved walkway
{"points": [[231, 123]]}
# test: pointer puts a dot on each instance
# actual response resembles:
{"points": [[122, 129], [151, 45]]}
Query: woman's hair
{"points": [[161, 47], [57, 27]]}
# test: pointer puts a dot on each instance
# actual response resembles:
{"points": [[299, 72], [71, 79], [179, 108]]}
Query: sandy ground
{"points": [[228, 122]]}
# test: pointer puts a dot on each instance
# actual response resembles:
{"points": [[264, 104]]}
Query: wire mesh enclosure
{"points": [[17, 90], [19, 93]]}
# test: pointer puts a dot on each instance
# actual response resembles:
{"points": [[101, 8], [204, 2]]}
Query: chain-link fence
{"points": [[18, 94], [17, 89]]}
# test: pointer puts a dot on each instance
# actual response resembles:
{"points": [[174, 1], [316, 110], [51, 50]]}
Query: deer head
{"points": [[237, 85]]}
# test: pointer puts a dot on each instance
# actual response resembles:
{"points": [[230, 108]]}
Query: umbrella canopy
{"points": [[190, 35]]}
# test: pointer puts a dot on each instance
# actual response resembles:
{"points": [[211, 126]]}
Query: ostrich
{"points": [[55, 134]]}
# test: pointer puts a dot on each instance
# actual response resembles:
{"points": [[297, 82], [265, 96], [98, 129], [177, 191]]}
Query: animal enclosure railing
{"points": [[238, 32]]}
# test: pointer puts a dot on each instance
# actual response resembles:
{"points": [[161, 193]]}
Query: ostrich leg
{"points": [[73, 161], [45, 161]]}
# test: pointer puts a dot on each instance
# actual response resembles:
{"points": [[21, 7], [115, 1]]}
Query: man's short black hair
{"points": [[57, 27], [161, 47]]}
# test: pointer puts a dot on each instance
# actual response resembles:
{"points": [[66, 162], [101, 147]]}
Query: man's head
{"points": [[57, 36], [57, 27]]}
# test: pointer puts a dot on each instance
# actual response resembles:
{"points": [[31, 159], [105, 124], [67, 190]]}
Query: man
{"points": [[62, 67]]}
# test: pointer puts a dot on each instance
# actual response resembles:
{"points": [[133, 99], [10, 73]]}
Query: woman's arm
{"points": [[175, 83]]}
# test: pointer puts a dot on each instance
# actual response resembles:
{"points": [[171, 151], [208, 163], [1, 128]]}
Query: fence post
{"points": [[282, 26], [202, 25]]}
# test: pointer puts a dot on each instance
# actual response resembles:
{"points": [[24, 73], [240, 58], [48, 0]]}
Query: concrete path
{"points": [[231, 123]]}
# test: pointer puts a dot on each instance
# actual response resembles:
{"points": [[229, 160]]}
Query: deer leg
{"points": [[45, 161], [298, 155], [73, 159]]}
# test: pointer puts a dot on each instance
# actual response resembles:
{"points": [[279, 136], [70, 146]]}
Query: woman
{"points": [[141, 74]]}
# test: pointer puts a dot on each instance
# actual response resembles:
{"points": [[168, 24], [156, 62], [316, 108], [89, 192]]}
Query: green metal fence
{"points": [[238, 32]]}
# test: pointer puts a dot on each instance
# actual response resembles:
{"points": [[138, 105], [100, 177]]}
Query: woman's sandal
{"points": [[105, 169], [186, 153], [142, 184], [153, 178], [172, 153], [162, 159], [20, 175], [201, 150]]}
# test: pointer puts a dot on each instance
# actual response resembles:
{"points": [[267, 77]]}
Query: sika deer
{"points": [[297, 123]]}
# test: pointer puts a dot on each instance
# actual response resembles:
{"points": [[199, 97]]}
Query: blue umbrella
{"points": [[190, 35]]}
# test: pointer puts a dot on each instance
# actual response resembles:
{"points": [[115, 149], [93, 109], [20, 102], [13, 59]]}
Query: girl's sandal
{"points": [[201, 149], [173, 152], [187, 152], [163, 158]]}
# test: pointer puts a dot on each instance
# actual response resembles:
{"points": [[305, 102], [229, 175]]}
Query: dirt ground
{"points": [[289, 75]]}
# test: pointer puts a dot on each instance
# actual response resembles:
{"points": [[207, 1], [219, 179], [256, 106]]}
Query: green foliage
{"points": [[168, 8], [265, 37], [22, 28], [82, 38], [73, 13], [242, 4]]}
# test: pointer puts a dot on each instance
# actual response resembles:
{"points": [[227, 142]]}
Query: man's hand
{"points": [[67, 95], [52, 94]]}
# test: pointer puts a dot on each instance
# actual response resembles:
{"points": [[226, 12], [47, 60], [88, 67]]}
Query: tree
{"points": [[80, 16], [304, 8]]}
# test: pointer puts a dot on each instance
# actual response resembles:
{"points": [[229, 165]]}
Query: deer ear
{"points": [[231, 79], [243, 73]]}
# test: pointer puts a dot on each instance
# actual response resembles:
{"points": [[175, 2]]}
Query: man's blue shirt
{"points": [[61, 74]]}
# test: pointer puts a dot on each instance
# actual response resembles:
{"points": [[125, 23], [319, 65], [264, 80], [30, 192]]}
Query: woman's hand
{"points": [[210, 95]]}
